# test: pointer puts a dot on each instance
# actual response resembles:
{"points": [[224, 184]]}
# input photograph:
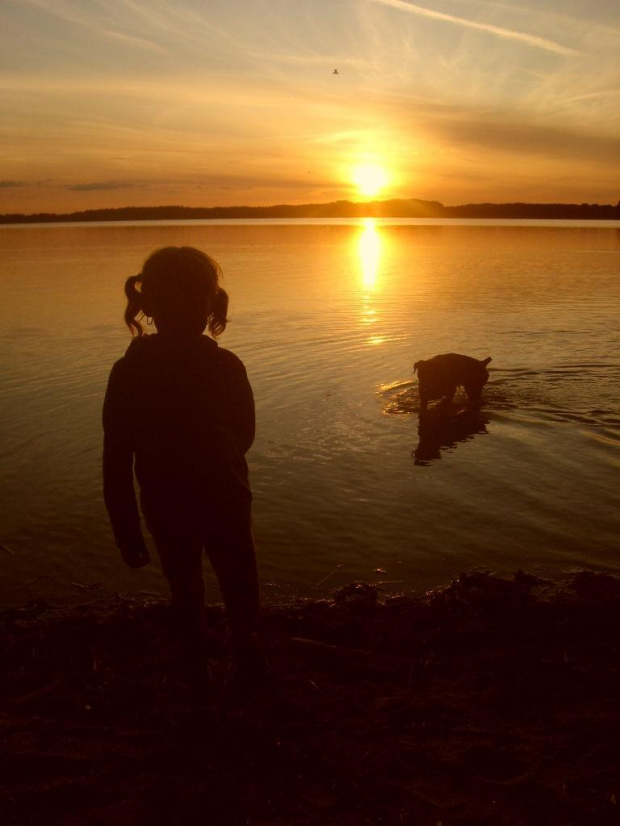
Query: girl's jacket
{"points": [[182, 415]]}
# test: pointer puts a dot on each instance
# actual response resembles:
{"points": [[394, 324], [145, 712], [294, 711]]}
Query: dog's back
{"points": [[441, 375]]}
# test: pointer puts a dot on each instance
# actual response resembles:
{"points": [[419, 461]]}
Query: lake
{"points": [[329, 317]]}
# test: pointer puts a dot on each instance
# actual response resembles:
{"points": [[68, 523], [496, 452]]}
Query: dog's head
{"points": [[485, 372], [476, 382]]}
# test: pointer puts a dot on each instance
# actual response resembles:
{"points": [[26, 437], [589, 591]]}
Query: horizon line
{"points": [[341, 201]]}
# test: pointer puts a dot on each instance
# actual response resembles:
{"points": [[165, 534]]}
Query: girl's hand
{"points": [[135, 554]]}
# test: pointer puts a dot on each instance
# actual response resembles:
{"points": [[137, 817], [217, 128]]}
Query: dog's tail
{"points": [[486, 361]]}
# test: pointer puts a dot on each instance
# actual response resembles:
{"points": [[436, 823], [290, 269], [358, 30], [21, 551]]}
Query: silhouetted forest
{"points": [[398, 208]]}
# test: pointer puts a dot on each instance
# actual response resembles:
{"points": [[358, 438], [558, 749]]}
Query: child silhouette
{"points": [[180, 410]]}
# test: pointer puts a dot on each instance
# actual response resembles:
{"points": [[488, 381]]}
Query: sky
{"points": [[110, 103]]}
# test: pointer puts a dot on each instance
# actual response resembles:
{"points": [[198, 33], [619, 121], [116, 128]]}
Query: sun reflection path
{"points": [[369, 249], [370, 254]]}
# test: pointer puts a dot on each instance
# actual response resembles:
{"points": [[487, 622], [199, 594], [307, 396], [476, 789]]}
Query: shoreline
{"points": [[492, 700], [375, 208]]}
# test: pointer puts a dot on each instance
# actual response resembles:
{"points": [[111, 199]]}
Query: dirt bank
{"points": [[492, 701]]}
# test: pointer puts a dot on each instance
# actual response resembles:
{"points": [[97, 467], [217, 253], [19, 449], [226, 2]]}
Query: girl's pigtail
{"points": [[218, 320], [134, 305]]}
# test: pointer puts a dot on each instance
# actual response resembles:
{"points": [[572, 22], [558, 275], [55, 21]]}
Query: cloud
{"points": [[520, 137], [12, 184], [510, 34], [596, 95], [511, 132], [132, 41], [92, 187], [310, 59]]}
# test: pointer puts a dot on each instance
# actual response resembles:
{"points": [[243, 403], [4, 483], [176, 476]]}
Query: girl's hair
{"points": [[180, 286]]}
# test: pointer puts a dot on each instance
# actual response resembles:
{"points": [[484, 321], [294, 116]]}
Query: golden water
{"points": [[329, 318]]}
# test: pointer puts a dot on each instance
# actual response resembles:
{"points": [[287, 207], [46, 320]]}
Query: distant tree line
{"points": [[401, 208]]}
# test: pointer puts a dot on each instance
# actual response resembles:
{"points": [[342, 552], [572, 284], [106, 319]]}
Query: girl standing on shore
{"points": [[180, 409]]}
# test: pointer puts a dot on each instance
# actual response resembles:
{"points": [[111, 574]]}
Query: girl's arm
{"points": [[118, 490], [242, 408], [238, 399]]}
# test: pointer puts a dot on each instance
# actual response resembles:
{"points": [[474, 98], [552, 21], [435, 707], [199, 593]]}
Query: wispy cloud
{"points": [[174, 22], [510, 34], [597, 95], [134, 42], [310, 59], [99, 185]]}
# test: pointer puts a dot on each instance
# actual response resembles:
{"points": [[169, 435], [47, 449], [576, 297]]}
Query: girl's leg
{"points": [[181, 561], [230, 548]]}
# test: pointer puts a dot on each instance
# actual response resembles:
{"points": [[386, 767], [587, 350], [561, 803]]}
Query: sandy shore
{"points": [[492, 701]]}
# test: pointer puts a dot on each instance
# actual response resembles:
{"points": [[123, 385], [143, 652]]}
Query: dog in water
{"points": [[440, 376]]}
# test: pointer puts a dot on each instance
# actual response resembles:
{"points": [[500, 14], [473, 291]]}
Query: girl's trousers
{"points": [[227, 540]]}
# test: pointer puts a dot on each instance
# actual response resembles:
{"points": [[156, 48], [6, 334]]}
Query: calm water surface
{"points": [[329, 318]]}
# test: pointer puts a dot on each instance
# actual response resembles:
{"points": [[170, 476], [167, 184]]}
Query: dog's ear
{"points": [[486, 361], [416, 365]]}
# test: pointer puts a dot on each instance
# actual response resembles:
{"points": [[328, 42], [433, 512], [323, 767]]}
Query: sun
{"points": [[370, 179]]}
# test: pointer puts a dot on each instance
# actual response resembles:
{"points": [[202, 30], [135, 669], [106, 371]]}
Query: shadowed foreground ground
{"points": [[492, 701]]}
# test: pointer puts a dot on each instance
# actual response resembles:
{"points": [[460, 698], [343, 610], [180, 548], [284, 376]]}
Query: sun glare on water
{"points": [[370, 179], [369, 254]]}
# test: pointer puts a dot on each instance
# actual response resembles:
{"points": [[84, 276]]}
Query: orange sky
{"points": [[129, 102]]}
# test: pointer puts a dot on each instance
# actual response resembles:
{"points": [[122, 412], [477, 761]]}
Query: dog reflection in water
{"points": [[443, 431]]}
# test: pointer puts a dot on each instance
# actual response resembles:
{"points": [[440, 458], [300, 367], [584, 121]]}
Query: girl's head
{"points": [[179, 288]]}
